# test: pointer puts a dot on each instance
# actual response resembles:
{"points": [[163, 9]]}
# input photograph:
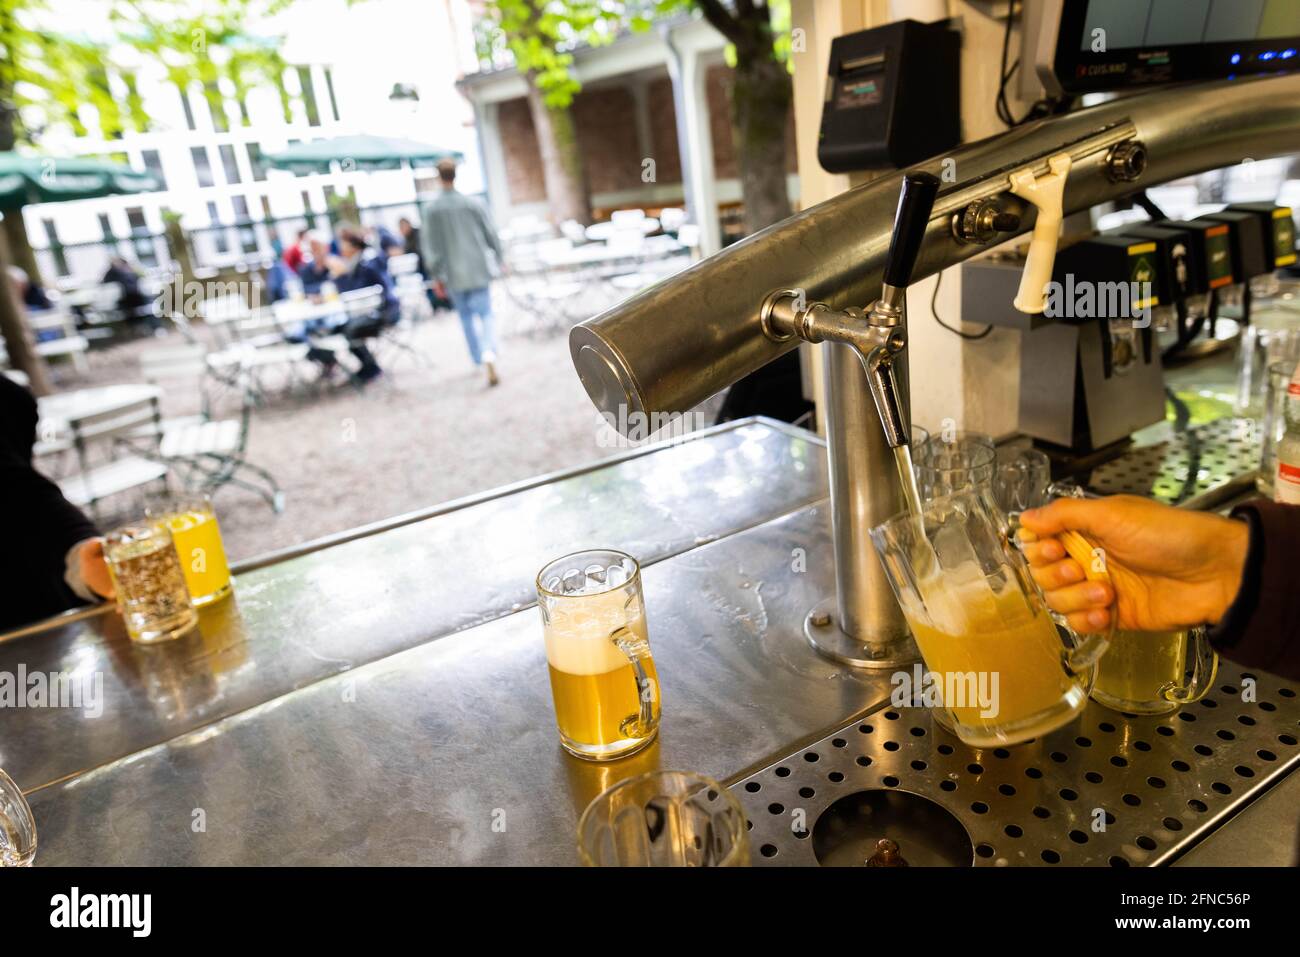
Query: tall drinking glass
{"points": [[603, 677], [151, 591], [1005, 670], [664, 819], [197, 536], [1273, 335], [1274, 423]]}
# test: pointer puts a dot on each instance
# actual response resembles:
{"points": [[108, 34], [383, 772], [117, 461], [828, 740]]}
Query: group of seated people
{"points": [[319, 266]]}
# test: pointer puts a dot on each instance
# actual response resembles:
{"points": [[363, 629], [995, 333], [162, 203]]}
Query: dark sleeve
{"points": [[1262, 628], [34, 511]]}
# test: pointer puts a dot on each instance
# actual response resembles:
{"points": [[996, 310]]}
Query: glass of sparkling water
{"points": [[151, 591]]}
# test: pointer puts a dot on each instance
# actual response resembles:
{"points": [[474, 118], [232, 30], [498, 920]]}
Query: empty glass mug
{"points": [[17, 826], [603, 677], [1154, 672], [664, 819], [1021, 477], [1005, 669], [952, 461], [150, 586]]}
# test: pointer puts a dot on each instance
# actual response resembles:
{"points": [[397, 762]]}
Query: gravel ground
{"points": [[418, 436]]}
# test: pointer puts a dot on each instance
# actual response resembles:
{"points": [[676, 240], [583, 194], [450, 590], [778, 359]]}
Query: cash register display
{"points": [[1111, 44]]}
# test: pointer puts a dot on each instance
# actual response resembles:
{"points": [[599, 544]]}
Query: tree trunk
{"points": [[20, 247], [761, 96], [17, 336], [562, 170], [14, 247]]}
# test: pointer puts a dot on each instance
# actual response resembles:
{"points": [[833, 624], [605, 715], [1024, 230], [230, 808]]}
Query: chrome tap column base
{"points": [[822, 629]]}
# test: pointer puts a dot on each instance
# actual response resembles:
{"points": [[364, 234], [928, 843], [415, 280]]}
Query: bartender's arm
{"points": [[1174, 568]]}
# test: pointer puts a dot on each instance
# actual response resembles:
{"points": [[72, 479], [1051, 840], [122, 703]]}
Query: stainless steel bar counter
{"points": [[383, 699]]}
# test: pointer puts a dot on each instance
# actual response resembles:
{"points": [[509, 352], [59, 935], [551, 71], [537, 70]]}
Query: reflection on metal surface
{"points": [[406, 759], [1107, 789], [331, 609], [1195, 467]]}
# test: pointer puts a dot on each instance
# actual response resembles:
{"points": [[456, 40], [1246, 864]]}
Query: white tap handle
{"points": [[1047, 194]]}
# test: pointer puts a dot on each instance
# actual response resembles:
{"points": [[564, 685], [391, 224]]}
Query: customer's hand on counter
{"points": [[91, 570], [1171, 568]]}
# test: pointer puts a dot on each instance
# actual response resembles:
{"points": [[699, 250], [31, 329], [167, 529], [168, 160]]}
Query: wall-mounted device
{"points": [[1092, 377], [1087, 45], [892, 97], [1248, 241], [1279, 228], [1181, 271]]}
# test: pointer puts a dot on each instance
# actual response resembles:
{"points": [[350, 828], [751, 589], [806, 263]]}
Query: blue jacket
{"points": [[365, 274]]}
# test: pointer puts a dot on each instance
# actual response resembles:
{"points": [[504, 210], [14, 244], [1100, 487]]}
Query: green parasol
{"points": [[358, 153], [30, 179]]}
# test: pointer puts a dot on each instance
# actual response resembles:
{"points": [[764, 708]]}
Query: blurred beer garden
{"points": [[166, 166]]}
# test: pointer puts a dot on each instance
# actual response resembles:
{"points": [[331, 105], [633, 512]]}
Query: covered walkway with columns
{"points": [[653, 122]]}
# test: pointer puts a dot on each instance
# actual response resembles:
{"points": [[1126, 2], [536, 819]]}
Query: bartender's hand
{"points": [[1172, 568], [94, 569]]}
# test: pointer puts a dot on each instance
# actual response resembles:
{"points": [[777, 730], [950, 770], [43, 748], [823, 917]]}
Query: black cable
{"points": [[934, 311], [1147, 205], [1041, 108]]}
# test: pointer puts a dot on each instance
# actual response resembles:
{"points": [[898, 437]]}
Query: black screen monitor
{"points": [[1091, 45]]}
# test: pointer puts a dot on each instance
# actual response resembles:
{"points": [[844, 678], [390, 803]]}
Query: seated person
{"points": [[29, 293], [361, 271], [58, 559], [346, 272], [279, 277], [133, 304]]}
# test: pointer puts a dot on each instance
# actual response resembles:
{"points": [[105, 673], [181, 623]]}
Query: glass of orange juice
{"points": [[197, 536]]}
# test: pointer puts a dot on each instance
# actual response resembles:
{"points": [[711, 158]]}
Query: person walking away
{"points": [[457, 238]]}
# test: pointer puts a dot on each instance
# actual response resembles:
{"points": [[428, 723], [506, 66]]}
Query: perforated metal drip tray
{"points": [[1160, 784], [1193, 468]]}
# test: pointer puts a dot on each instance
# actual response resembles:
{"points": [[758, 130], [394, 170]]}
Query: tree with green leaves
{"points": [[46, 77], [541, 35]]}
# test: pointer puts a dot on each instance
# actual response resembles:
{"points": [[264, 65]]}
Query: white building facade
{"points": [[344, 62]]}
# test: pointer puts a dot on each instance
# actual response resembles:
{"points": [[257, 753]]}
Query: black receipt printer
{"points": [[892, 97]]}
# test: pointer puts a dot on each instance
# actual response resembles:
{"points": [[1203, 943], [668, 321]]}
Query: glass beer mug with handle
{"points": [[1150, 672], [603, 677], [664, 819], [1005, 670], [1154, 672]]}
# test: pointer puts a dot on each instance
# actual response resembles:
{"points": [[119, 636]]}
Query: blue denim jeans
{"points": [[475, 309]]}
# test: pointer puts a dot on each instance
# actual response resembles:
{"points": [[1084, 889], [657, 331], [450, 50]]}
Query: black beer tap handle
{"points": [[915, 203]]}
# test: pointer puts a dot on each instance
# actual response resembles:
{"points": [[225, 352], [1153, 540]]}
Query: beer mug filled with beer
{"points": [[1004, 668], [1154, 672], [603, 678]]}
